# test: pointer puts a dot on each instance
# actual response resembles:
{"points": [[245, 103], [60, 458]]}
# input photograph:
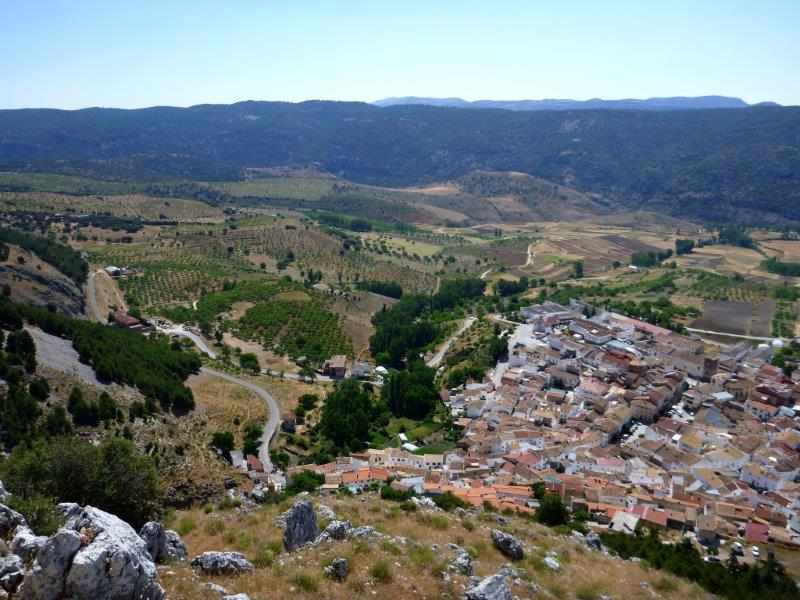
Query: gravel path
{"points": [[58, 354]]}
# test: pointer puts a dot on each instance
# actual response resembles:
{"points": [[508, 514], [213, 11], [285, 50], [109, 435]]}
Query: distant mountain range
{"points": [[674, 103], [717, 165]]}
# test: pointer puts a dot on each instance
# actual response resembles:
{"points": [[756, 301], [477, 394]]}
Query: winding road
{"points": [[181, 331], [273, 410], [273, 413]]}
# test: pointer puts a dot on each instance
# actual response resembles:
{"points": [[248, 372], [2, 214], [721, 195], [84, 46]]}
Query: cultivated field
{"points": [[298, 188], [741, 318], [129, 205]]}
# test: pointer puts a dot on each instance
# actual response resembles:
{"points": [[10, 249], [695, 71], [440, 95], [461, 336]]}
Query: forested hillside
{"points": [[743, 163]]}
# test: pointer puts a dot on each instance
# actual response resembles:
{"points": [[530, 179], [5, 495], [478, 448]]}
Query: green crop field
{"points": [[299, 328], [296, 188]]}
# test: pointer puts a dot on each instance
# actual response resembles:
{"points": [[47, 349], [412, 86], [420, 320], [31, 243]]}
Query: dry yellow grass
{"points": [[266, 358], [287, 391], [107, 294], [787, 250], [396, 570], [225, 405]]}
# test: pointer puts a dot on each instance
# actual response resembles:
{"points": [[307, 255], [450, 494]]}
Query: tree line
{"points": [[151, 364], [779, 267], [734, 580], [113, 476], [408, 326]]}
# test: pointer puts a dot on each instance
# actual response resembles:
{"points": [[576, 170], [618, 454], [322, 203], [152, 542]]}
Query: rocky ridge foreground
{"points": [[301, 531]]}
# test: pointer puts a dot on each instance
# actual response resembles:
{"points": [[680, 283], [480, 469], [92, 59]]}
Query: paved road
{"points": [[273, 413], [437, 358], [181, 331]]}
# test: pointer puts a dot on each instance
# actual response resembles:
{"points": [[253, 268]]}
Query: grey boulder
{"points": [[301, 526], [26, 544], [260, 494], [214, 587], [236, 597], [163, 545], [12, 572], [592, 540], [46, 580], [338, 569], [462, 563], [493, 587], [9, 520], [337, 530], [507, 544], [552, 563], [325, 512], [364, 532], [222, 563]]}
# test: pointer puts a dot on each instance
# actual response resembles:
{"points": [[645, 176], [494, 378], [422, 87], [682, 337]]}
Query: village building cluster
{"points": [[629, 422]]}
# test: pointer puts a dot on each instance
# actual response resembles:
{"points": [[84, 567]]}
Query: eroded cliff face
{"points": [[33, 281]]}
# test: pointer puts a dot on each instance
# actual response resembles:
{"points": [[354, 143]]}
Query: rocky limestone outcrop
{"points": [[260, 494], [301, 526], [338, 569], [592, 541], [12, 572], [461, 563], [493, 587], [9, 520], [42, 288], [112, 561], [507, 544], [26, 544], [335, 530], [216, 588], [325, 512], [222, 563], [47, 579], [163, 545], [364, 532], [424, 503], [94, 555]]}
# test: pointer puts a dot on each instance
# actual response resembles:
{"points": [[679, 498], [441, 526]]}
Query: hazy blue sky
{"points": [[75, 53]]}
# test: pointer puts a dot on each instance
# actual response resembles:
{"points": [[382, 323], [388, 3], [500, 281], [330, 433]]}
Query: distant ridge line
{"points": [[666, 103]]}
